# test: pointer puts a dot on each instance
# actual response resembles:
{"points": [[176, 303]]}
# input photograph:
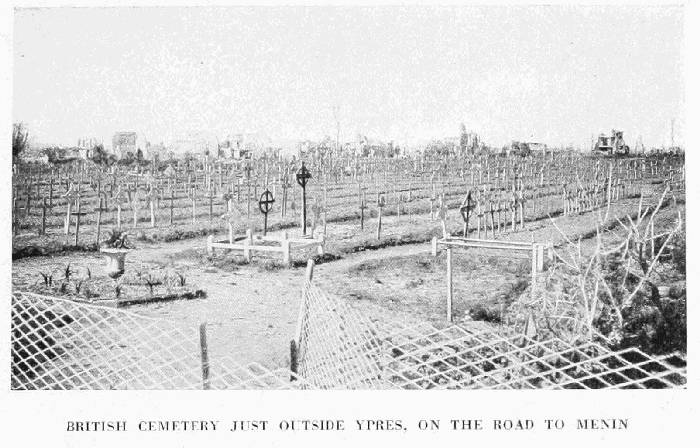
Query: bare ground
{"points": [[252, 308]]}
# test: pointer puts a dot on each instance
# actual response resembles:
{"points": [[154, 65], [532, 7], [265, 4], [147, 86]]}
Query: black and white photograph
{"points": [[348, 198], [391, 224]]}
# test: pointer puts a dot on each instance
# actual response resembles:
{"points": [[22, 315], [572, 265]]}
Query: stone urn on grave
{"points": [[115, 249]]}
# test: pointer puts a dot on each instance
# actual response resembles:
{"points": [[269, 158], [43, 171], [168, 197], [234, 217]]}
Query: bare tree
{"points": [[20, 137]]}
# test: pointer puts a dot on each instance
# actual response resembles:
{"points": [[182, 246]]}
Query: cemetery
{"points": [[481, 241]]}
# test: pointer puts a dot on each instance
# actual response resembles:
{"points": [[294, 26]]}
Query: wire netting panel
{"points": [[455, 357], [61, 344], [341, 348]]}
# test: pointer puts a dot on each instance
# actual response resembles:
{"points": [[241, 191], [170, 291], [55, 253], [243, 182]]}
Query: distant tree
{"points": [[100, 155], [463, 138], [54, 154], [20, 138], [128, 159]]}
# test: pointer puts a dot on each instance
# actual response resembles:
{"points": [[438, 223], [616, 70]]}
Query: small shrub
{"points": [[271, 265], [181, 279], [67, 272], [48, 278], [486, 313], [117, 239]]}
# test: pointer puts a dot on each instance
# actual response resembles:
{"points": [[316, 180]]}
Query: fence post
{"points": [[449, 284], [534, 270], [152, 206], [379, 222], [77, 220], [246, 244], [172, 199], [211, 204], [43, 217], [66, 227], [320, 250], [309, 270], [210, 247], [295, 343], [204, 351], [293, 359], [286, 258]]}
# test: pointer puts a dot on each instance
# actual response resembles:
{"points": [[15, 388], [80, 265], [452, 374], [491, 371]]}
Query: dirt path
{"points": [[252, 309]]}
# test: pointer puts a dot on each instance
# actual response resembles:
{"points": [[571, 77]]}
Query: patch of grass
{"points": [[318, 259], [487, 312], [271, 265]]}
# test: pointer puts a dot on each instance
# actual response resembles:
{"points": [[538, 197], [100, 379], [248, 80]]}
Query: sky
{"points": [[552, 74]]}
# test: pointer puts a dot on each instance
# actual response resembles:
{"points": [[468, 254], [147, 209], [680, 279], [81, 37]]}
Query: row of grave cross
{"points": [[267, 200], [132, 195], [137, 187], [476, 208]]}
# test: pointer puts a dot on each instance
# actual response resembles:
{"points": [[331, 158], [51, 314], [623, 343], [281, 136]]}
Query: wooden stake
{"points": [[43, 217], [449, 284], [204, 351]]}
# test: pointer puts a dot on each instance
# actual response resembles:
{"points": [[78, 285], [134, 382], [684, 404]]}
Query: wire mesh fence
{"points": [[338, 347], [61, 344]]}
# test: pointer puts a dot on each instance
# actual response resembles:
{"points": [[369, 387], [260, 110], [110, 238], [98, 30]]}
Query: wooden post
{"points": [[609, 195], [293, 359], [99, 219], [248, 197], [479, 215], [51, 193], [194, 206], [77, 219], [134, 208], [320, 250], [172, 199], [66, 228], [534, 271], [211, 204], [28, 203], [247, 243], [309, 276], [43, 217], [380, 206], [210, 247], [286, 256], [119, 214], [521, 209], [540, 257], [449, 284], [283, 210], [204, 351], [152, 206]]}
